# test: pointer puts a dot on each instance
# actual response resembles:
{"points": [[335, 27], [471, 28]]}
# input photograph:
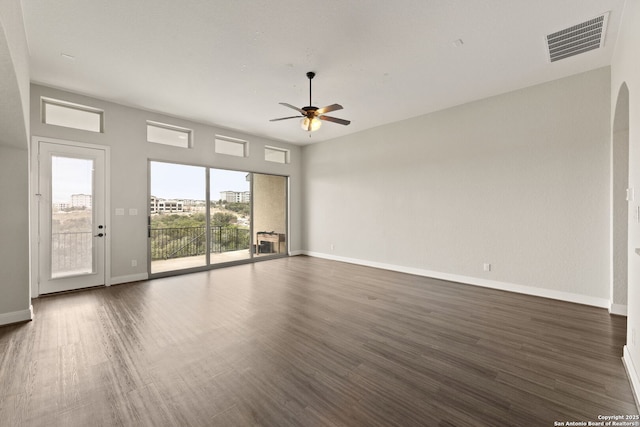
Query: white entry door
{"points": [[71, 217]]}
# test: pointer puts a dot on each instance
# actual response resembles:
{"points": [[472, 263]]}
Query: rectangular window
{"points": [[277, 155], [76, 116], [161, 133], [231, 146]]}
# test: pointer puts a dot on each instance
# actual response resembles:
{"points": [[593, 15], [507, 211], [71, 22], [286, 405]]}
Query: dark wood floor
{"points": [[309, 342]]}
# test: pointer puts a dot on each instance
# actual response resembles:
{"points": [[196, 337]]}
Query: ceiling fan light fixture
{"points": [[312, 117], [310, 124]]}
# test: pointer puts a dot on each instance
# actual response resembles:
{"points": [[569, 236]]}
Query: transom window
{"points": [[162, 133], [75, 116]]}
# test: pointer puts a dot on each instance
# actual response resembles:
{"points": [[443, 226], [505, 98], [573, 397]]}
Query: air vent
{"points": [[578, 39]]}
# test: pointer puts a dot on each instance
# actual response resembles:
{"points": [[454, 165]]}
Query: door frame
{"points": [[34, 175]]}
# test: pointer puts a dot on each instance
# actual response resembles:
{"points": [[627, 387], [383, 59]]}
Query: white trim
{"points": [[16, 316], [493, 284], [296, 253], [618, 309], [632, 374], [129, 278]]}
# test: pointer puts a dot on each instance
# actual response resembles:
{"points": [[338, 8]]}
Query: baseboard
{"points": [[618, 309], [297, 253], [129, 278], [493, 284], [632, 374], [16, 316]]}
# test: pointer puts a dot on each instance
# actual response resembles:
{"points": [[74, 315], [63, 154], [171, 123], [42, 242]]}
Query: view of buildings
{"points": [[235, 196], [78, 201], [158, 205]]}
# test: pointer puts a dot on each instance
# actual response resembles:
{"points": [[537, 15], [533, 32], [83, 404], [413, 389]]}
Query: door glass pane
{"points": [[270, 214], [72, 250], [178, 217], [230, 215]]}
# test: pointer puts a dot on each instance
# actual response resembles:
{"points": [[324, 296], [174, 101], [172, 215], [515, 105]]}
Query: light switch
{"points": [[119, 211]]}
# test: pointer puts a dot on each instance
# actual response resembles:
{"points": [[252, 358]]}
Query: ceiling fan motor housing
{"points": [[310, 111]]}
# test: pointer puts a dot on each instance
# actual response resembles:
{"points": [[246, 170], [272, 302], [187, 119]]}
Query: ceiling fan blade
{"points": [[335, 120], [329, 108], [284, 118], [295, 108]]}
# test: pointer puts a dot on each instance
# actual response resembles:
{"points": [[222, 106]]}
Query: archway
{"points": [[619, 208]]}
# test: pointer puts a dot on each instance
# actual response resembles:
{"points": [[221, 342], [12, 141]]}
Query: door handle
{"points": [[99, 235]]}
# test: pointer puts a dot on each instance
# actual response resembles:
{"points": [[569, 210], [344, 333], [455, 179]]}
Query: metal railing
{"points": [[168, 243], [71, 252]]}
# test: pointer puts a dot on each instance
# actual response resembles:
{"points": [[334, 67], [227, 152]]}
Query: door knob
{"points": [[99, 235]]}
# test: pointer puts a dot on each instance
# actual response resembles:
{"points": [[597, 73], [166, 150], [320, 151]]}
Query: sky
{"points": [[70, 176], [173, 181], [168, 180]]}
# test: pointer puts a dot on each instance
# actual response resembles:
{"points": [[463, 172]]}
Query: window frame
{"points": [[44, 101], [167, 126], [230, 140], [286, 153]]}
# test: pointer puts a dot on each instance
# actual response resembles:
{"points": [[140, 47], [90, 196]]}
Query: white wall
{"points": [[625, 68], [519, 180], [15, 304], [125, 133]]}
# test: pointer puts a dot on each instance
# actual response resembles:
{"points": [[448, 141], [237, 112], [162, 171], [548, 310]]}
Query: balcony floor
{"points": [[162, 266]]}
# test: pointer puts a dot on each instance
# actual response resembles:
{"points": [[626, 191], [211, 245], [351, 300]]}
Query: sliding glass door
{"points": [[230, 215], [201, 217], [177, 217]]}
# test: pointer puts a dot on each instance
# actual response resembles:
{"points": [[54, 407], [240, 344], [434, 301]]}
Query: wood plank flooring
{"points": [[309, 342]]}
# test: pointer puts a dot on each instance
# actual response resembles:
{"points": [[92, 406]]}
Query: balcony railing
{"points": [[168, 243], [71, 252]]}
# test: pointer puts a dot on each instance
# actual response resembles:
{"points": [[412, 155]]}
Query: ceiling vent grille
{"points": [[577, 39]]}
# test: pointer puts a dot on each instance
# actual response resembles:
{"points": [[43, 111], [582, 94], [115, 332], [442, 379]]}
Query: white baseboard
{"points": [[493, 284], [129, 278], [618, 309], [296, 253], [16, 316], [632, 374]]}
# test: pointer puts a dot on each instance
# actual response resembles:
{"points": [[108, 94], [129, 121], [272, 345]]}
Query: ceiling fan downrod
{"points": [[310, 76]]}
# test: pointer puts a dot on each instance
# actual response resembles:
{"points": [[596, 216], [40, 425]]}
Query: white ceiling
{"points": [[229, 62]]}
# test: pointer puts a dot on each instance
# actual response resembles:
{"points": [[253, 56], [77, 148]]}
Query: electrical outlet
{"points": [[487, 266], [332, 247], [134, 263]]}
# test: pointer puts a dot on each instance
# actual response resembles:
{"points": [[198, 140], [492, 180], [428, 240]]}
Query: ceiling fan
{"points": [[312, 116]]}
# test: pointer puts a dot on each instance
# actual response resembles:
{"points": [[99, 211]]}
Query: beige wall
{"points": [[519, 180], [14, 232], [625, 70], [270, 204], [15, 303]]}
